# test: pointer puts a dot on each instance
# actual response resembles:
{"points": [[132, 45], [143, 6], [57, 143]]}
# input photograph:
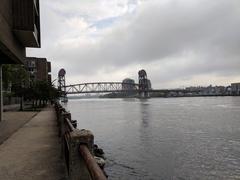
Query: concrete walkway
{"points": [[12, 121], [33, 152]]}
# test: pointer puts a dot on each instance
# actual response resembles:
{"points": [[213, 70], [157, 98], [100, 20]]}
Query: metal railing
{"points": [[95, 171], [69, 124], [77, 148]]}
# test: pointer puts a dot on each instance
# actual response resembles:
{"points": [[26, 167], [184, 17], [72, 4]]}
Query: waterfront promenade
{"points": [[31, 149]]}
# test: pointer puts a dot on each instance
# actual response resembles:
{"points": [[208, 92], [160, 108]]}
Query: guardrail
{"points": [[77, 148]]}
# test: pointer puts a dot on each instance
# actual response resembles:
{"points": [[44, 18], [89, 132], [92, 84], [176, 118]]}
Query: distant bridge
{"points": [[143, 88], [113, 87], [101, 87]]}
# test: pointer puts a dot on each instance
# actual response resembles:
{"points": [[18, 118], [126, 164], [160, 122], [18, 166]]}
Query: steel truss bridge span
{"points": [[101, 87]]}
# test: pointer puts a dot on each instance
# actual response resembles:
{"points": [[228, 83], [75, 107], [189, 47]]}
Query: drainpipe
{"points": [[1, 96]]}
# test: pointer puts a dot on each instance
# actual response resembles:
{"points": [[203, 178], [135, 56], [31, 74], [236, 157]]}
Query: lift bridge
{"points": [[100, 87], [143, 88]]}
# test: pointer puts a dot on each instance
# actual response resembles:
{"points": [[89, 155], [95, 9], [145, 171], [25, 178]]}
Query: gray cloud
{"points": [[175, 40]]}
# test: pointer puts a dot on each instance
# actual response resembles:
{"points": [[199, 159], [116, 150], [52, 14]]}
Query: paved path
{"points": [[33, 152], [12, 121]]}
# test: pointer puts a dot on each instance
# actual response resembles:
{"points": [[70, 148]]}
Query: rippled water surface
{"points": [[165, 138]]}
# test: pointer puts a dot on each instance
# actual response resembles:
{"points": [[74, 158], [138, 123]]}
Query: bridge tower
{"points": [[143, 84], [62, 84]]}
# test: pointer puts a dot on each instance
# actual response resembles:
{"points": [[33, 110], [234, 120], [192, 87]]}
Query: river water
{"points": [[165, 138]]}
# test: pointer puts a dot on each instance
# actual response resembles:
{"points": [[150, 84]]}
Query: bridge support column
{"points": [[143, 84], [144, 94], [62, 85]]}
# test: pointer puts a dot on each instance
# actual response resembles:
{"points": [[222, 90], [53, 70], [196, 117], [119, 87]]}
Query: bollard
{"points": [[77, 167], [67, 115], [61, 122], [58, 109]]}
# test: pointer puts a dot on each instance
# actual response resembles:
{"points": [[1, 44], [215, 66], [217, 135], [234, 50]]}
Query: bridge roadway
{"points": [[112, 87], [100, 87]]}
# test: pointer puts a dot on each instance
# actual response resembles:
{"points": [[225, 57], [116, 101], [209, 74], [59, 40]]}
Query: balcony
{"points": [[26, 22]]}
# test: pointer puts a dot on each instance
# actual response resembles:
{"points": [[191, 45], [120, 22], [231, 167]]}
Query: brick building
{"points": [[39, 69]]}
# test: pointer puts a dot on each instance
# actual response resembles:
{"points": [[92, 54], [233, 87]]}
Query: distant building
{"points": [[39, 69], [221, 90], [128, 84], [235, 89], [228, 90], [209, 90]]}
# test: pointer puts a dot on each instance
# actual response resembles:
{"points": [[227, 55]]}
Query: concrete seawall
{"points": [[78, 151]]}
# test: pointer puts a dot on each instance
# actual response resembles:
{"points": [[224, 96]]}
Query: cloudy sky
{"points": [[178, 42]]}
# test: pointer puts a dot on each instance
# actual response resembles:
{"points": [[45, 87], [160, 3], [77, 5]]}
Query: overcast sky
{"points": [[178, 42]]}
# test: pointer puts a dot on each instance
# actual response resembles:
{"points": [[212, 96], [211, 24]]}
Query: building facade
{"points": [[235, 89], [39, 69], [19, 28]]}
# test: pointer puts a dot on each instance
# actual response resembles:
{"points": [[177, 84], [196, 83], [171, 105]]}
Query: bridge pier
{"points": [[143, 84], [144, 94], [62, 85]]}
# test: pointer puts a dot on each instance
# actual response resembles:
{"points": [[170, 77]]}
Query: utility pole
{"points": [[1, 96]]}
